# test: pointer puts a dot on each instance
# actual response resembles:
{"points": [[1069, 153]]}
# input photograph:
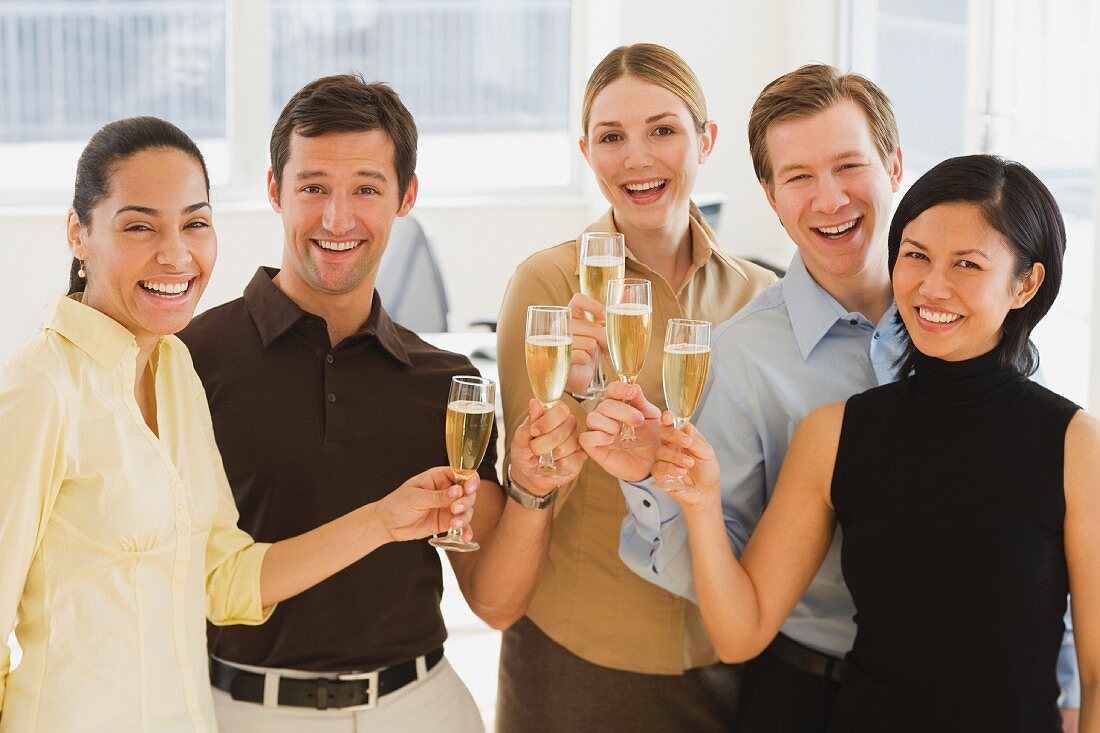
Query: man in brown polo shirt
{"points": [[322, 403]]}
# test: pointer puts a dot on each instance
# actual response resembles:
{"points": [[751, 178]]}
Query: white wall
{"points": [[734, 47]]}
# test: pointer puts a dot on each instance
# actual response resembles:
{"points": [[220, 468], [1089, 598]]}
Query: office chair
{"points": [[410, 282]]}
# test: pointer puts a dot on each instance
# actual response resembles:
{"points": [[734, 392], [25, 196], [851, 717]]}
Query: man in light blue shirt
{"points": [[825, 149]]}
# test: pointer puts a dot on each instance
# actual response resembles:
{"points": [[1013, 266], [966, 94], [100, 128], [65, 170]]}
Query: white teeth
{"points": [[938, 317], [644, 186], [166, 288], [336, 246], [833, 231]]}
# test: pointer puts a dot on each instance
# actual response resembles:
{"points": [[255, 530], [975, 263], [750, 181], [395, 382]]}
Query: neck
{"points": [[867, 291], [666, 250], [344, 313]]}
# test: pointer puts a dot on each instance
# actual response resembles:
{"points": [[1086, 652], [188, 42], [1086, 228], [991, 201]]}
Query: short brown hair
{"points": [[811, 89], [346, 103], [648, 62]]}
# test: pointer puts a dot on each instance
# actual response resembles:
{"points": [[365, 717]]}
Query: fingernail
{"points": [[459, 523], [459, 508]]}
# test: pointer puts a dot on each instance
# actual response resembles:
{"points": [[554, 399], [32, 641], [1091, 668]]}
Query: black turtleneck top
{"points": [[948, 487]]}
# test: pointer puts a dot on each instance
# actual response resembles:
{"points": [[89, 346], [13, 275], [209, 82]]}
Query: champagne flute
{"points": [[684, 372], [629, 316], [470, 410], [602, 258], [547, 347]]}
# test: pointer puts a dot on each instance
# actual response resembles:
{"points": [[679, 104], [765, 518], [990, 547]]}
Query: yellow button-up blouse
{"points": [[115, 545]]}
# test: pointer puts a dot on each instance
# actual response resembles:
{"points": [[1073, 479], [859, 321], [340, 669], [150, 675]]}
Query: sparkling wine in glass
{"points": [[470, 411], [629, 323], [684, 373], [547, 347], [602, 259]]}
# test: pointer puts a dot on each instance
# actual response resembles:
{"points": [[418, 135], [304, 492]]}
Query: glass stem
{"points": [[627, 434]]}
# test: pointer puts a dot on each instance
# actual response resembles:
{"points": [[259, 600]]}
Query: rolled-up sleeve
{"points": [[32, 464], [234, 561]]}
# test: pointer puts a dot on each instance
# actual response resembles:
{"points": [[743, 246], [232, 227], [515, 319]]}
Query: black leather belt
{"points": [[807, 660], [359, 690]]}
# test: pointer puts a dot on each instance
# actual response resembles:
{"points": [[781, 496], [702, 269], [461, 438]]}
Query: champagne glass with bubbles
{"points": [[629, 322], [602, 258], [470, 411], [547, 347], [684, 373]]}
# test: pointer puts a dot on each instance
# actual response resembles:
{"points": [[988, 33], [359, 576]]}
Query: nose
{"points": [[174, 252], [935, 284], [638, 154], [337, 216], [829, 195]]}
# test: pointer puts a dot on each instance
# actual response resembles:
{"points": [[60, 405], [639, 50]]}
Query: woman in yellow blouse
{"points": [[117, 525], [600, 647]]}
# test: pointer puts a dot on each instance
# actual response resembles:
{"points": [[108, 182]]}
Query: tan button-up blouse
{"points": [[116, 545], [588, 600]]}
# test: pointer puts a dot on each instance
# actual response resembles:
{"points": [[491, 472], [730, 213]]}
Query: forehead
{"points": [[158, 178], [821, 137], [954, 225], [630, 99], [334, 151]]}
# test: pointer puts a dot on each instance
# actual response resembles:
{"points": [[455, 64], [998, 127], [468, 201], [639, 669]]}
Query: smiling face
{"points": [[643, 146], [338, 200], [955, 280], [833, 192], [150, 246]]}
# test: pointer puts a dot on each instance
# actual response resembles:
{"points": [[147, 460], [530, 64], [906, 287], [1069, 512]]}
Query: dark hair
{"points": [[1014, 202], [112, 144], [346, 103]]}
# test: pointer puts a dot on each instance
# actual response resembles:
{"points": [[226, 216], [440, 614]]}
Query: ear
{"points": [[273, 191], [768, 194], [1028, 285], [895, 168], [410, 196], [707, 140], [75, 233], [583, 145]]}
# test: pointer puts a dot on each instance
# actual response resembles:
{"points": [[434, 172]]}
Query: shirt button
{"points": [[180, 506], [331, 397], [329, 359], [646, 503], [854, 321], [876, 335]]}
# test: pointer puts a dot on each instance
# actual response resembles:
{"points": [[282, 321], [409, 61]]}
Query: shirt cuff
{"points": [[652, 508], [241, 603]]}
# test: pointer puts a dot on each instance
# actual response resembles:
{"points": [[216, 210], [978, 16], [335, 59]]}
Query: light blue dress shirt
{"points": [[792, 349]]}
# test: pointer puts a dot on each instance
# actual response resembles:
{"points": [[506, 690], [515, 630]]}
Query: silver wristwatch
{"points": [[523, 497]]}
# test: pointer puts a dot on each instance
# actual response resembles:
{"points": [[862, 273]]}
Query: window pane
{"points": [[67, 68], [488, 82]]}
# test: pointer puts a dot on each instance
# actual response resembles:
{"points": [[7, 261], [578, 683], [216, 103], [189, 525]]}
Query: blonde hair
{"points": [[811, 89], [648, 62]]}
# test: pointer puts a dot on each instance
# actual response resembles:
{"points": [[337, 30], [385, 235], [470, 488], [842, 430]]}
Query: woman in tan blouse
{"points": [[118, 531], [600, 648]]}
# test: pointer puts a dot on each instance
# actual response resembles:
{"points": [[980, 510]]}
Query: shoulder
{"points": [[823, 424], [215, 324], [558, 259], [756, 276], [33, 373], [425, 356], [1083, 435], [754, 330]]}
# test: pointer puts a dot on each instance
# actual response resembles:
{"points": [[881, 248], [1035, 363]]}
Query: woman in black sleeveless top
{"points": [[967, 494]]}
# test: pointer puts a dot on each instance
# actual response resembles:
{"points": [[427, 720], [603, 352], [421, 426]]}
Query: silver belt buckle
{"points": [[372, 689]]}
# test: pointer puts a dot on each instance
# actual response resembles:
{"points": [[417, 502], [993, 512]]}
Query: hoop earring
{"points": [[81, 273]]}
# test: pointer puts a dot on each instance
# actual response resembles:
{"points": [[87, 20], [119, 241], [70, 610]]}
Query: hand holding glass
{"points": [[548, 345], [470, 411], [684, 373], [602, 258], [629, 316]]}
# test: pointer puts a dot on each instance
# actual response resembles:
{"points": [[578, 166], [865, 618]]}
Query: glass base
{"points": [[671, 485], [452, 544]]}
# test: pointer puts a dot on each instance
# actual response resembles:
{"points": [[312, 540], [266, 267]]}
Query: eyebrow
{"points": [[154, 212], [648, 120], [837, 157], [956, 253], [362, 173]]}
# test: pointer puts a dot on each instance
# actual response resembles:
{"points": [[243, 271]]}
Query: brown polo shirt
{"points": [[307, 433], [587, 600]]}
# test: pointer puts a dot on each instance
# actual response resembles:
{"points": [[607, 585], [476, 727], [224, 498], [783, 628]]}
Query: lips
{"points": [[840, 230], [645, 191], [167, 289]]}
